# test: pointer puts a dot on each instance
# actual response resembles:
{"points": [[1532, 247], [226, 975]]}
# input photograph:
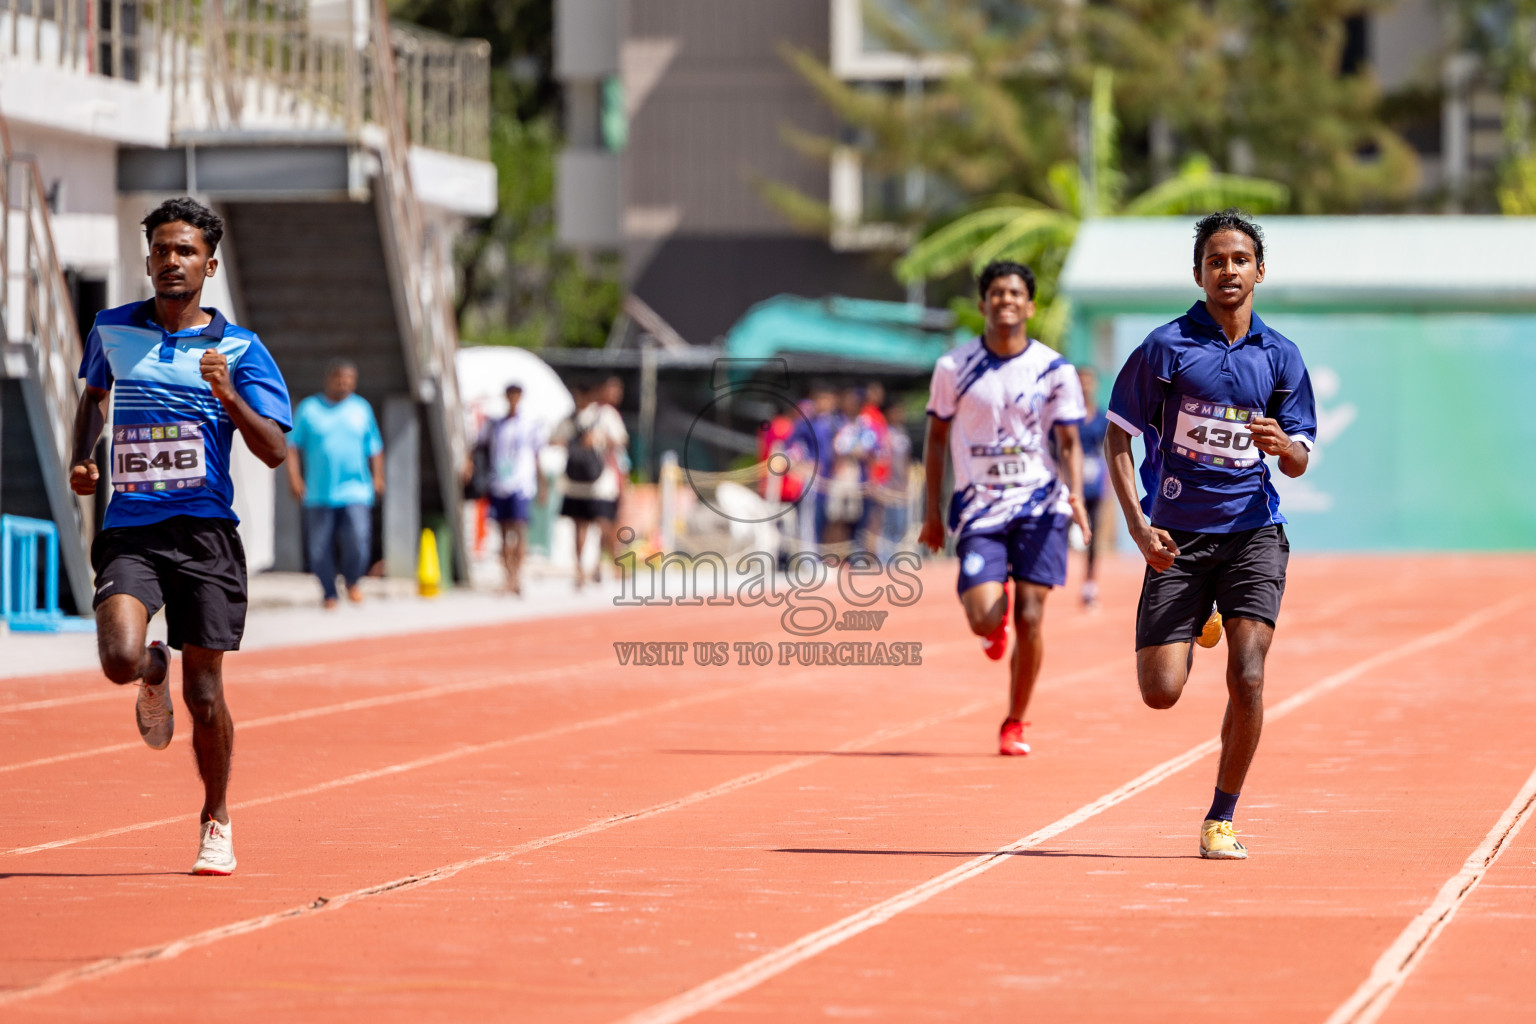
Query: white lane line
{"points": [[113, 964], [484, 681], [1403, 957], [439, 758], [748, 976], [406, 766]]}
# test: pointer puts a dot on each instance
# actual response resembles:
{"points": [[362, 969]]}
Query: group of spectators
{"points": [[504, 471], [846, 461]]}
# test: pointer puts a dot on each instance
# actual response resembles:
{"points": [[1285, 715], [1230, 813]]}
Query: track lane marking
{"points": [[428, 760], [1403, 957], [112, 965], [405, 766], [486, 681], [748, 976]]}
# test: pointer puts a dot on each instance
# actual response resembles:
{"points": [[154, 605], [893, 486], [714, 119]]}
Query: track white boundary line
{"points": [[427, 761], [114, 964], [405, 766], [485, 681], [1404, 956], [748, 976]]}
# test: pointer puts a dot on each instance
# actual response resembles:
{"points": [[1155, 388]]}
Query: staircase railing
{"points": [[256, 63], [424, 283], [37, 317]]}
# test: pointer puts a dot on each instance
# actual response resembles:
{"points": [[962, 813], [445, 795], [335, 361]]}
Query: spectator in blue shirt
{"points": [[336, 469]]}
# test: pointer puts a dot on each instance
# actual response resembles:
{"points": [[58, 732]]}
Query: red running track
{"points": [[503, 823]]}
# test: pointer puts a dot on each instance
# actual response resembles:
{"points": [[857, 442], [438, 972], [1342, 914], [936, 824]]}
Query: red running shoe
{"points": [[995, 643], [1010, 741]]}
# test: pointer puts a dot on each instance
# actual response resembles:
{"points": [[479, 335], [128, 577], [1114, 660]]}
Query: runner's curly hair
{"points": [[1230, 219]]}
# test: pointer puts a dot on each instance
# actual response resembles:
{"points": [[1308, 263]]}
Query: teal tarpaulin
{"points": [[858, 330]]}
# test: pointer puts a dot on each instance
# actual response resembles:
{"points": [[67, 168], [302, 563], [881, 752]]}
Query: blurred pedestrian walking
{"points": [[592, 484], [513, 483], [336, 471]]}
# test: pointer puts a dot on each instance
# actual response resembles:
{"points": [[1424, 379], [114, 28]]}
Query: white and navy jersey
{"points": [[514, 443], [1192, 394], [1002, 411], [170, 435]]}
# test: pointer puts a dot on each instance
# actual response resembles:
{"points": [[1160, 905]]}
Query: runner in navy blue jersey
{"points": [[1211, 394]]}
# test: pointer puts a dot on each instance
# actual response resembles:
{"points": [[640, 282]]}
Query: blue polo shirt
{"points": [[1191, 394], [336, 440], [170, 435]]}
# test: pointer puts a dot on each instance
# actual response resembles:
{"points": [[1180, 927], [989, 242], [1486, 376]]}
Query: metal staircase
{"points": [[38, 387], [299, 113]]}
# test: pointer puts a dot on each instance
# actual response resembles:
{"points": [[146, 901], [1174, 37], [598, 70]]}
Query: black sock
{"points": [[1223, 806]]}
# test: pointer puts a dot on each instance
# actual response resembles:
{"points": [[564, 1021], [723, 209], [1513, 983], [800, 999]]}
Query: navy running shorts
{"points": [[1242, 574], [1032, 549], [513, 508]]}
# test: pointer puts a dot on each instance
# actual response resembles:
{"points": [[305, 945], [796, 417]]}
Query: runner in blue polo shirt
{"points": [[182, 380], [1211, 394]]}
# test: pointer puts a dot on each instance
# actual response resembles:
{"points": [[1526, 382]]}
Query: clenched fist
{"points": [[83, 476], [215, 369]]}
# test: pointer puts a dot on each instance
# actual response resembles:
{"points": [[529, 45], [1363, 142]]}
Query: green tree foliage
{"points": [[1502, 33], [517, 286], [1040, 234], [1200, 87]]}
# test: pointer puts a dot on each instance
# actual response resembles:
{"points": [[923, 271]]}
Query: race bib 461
{"points": [[158, 457], [1216, 435]]}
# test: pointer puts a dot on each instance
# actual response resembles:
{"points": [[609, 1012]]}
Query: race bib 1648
{"points": [[158, 457], [1216, 435]]}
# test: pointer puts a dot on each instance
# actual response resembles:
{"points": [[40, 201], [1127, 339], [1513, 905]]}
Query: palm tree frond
{"points": [[1198, 189], [804, 212], [948, 248], [1104, 131], [1064, 182], [1025, 236]]}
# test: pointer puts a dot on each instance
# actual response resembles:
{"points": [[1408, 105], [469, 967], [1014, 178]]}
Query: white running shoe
{"points": [[216, 853], [154, 710]]}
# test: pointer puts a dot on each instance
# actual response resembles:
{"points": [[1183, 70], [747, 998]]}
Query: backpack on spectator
{"points": [[583, 463]]}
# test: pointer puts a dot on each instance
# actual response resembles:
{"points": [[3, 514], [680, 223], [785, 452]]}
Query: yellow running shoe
{"points": [[1218, 841], [1210, 634]]}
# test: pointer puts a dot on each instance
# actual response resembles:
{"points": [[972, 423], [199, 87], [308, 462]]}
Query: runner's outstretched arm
{"points": [[90, 417], [1157, 547], [935, 451], [262, 435]]}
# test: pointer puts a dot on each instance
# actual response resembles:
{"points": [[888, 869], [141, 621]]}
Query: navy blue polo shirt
{"points": [[1192, 394], [170, 435]]}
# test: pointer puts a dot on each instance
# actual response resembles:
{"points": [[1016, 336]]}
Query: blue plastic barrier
{"points": [[20, 538]]}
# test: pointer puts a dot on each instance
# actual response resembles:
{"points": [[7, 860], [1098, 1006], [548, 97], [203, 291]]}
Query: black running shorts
{"points": [[193, 567], [1242, 574]]}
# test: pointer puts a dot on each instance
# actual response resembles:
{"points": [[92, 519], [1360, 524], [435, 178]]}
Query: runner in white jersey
{"points": [[994, 407]]}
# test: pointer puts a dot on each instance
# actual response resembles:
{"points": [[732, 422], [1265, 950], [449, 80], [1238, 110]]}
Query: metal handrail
{"points": [[249, 63], [424, 283], [44, 319]]}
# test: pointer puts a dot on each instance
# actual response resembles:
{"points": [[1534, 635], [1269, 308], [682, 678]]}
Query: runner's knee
{"points": [[1029, 613], [984, 622], [121, 663]]}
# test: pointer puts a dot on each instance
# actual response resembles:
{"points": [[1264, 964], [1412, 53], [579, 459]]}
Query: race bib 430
{"points": [[158, 457], [1216, 435]]}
